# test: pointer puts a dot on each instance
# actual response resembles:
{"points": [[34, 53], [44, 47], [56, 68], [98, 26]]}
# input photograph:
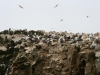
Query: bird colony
{"points": [[32, 52]]}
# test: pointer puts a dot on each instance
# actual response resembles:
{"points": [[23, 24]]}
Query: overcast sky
{"points": [[41, 15]]}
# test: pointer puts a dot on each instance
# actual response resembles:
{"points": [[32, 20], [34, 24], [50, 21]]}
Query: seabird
{"points": [[61, 20], [20, 6], [87, 16], [56, 5]]}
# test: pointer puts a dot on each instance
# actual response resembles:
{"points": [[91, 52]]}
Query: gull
{"points": [[61, 20], [56, 5], [20, 6]]}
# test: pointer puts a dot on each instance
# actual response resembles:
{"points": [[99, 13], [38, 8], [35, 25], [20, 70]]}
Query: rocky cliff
{"points": [[25, 52]]}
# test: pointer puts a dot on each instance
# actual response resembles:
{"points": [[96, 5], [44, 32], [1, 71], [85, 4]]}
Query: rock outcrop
{"points": [[25, 52]]}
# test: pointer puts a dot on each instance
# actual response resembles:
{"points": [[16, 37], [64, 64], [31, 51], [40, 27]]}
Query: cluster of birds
{"points": [[54, 7]]}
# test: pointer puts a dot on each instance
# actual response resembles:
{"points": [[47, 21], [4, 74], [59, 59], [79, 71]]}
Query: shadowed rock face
{"points": [[25, 52]]}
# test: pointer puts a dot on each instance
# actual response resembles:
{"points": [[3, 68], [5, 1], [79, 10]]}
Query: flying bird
{"points": [[61, 20], [56, 5], [20, 6], [87, 16]]}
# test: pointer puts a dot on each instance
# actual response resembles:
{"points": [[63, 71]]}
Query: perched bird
{"points": [[56, 5], [61, 20], [20, 6], [87, 16]]}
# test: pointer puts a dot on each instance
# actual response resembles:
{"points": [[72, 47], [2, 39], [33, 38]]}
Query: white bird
{"points": [[56, 5], [20, 6]]}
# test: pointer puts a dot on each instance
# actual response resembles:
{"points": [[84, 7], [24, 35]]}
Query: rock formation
{"points": [[31, 52]]}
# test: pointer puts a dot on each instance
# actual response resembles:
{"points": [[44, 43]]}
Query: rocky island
{"points": [[32, 52]]}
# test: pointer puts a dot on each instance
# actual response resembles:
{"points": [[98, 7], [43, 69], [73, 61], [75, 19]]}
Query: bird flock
{"points": [[54, 7]]}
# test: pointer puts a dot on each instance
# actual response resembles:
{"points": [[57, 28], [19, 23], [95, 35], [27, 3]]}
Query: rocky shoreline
{"points": [[31, 52]]}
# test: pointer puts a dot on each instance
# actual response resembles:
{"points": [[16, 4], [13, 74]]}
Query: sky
{"points": [[41, 15]]}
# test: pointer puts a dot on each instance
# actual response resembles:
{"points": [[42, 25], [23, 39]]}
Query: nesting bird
{"points": [[56, 5], [20, 6]]}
